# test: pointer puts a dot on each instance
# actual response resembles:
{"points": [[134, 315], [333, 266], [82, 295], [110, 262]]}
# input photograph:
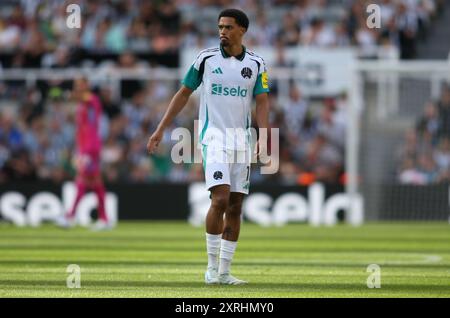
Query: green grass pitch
{"points": [[168, 259]]}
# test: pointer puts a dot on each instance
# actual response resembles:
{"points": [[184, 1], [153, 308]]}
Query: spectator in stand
{"points": [[409, 147], [262, 33], [444, 111], [136, 111], [9, 35], [319, 34], [326, 151], [128, 61], [10, 131], [138, 36], [110, 107], [424, 157], [295, 110], [289, 33], [19, 167], [442, 158], [408, 25], [429, 122]]}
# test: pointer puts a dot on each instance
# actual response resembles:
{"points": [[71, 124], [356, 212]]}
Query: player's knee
{"points": [[220, 203], [235, 209]]}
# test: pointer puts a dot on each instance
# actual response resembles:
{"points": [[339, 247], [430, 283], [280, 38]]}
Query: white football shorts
{"points": [[225, 166]]}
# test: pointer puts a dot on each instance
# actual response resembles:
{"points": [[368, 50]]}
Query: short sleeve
{"points": [[194, 76], [262, 81], [192, 79]]}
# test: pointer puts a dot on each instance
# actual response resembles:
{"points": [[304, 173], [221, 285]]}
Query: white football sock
{"points": [[227, 249], [212, 248]]}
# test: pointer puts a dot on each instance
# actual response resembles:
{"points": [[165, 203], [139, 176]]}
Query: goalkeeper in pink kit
{"points": [[87, 156]]}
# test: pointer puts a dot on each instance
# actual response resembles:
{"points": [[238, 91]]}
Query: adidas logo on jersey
{"points": [[218, 71], [218, 89]]}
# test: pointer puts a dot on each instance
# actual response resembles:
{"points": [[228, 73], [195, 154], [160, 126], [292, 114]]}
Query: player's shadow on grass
{"points": [[189, 263], [278, 250], [313, 238], [270, 287]]}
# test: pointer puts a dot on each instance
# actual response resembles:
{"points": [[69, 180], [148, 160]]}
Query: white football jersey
{"points": [[229, 84]]}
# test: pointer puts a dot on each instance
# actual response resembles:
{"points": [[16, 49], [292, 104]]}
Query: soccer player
{"points": [[231, 76], [87, 157]]}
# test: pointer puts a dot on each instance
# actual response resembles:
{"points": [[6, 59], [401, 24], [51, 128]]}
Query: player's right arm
{"points": [[177, 103], [191, 81]]}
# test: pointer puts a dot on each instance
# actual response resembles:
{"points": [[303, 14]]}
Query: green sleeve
{"points": [[192, 79], [261, 85]]}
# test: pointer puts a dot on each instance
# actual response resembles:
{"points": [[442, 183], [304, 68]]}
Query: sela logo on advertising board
{"points": [[218, 89], [46, 206], [264, 210]]}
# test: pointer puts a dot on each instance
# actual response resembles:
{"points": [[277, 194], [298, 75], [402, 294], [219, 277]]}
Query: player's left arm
{"points": [[260, 92], [262, 120], [262, 110]]}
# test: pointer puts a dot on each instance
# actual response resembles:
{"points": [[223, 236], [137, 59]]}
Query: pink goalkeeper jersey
{"points": [[88, 125]]}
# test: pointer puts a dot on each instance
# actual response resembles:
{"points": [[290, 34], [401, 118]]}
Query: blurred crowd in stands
{"points": [[37, 137], [35, 31], [424, 157]]}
